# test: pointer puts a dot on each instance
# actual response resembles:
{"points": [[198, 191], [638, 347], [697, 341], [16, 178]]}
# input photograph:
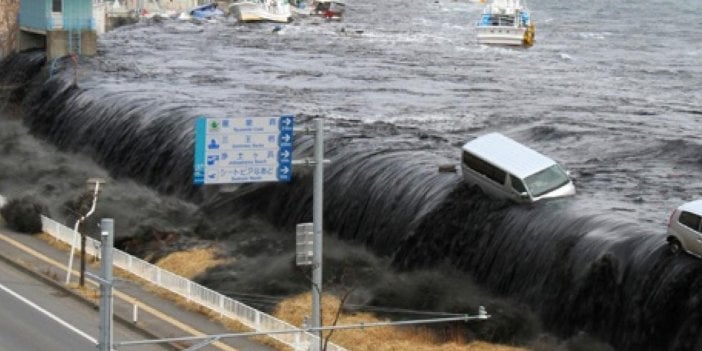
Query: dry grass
{"points": [[294, 309], [193, 262], [175, 263], [189, 264], [54, 242]]}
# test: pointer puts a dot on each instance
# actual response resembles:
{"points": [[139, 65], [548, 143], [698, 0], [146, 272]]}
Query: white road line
{"points": [[49, 314]]}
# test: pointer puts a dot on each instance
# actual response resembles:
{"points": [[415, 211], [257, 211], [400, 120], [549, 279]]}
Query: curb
{"points": [[56, 285]]}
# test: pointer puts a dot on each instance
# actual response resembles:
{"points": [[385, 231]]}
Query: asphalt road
{"points": [[35, 316]]}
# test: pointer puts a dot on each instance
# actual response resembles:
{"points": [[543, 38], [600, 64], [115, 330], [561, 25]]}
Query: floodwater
{"points": [[611, 96], [610, 89]]}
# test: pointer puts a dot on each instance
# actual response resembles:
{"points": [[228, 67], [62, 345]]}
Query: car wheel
{"points": [[674, 246]]}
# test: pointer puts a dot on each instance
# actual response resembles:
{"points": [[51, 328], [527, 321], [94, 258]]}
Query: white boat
{"points": [[261, 11], [506, 22]]}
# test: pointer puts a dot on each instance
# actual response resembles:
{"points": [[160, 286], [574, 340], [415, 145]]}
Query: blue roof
{"points": [[508, 154]]}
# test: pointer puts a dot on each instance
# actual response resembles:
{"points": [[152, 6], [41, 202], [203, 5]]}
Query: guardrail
{"points": [[193, 292]]}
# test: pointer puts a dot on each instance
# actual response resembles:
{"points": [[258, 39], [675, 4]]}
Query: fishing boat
{"points": [[506, 22], [261, 11]]}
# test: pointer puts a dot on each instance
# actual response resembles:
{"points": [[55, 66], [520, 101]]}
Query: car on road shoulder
{"points": [[685, 229]]}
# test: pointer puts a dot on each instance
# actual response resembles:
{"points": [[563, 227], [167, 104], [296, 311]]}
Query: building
{"points": [[8, 26], [61, 27]]}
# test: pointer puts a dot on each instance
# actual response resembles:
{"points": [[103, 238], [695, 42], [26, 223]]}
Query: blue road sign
{"points": [[243, 150]]}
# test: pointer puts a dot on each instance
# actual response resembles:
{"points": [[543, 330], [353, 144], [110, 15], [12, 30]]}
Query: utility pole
{"points": [[107, 240], [309, 235], [317, 215]]}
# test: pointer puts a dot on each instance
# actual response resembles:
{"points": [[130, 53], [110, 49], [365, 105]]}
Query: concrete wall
{"points": [[8, 26], [57, 43]]}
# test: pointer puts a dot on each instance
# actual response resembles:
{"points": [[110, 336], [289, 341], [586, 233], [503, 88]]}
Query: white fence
{"points": [[194, 292]]}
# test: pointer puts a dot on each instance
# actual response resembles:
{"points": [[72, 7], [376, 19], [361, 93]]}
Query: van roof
{"points": [[694, 207], [508, 154]]}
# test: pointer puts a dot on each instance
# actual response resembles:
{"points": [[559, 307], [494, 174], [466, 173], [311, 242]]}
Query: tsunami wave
{"points": [[579, 269]]}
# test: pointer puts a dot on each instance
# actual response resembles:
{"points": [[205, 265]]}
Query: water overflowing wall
{"points": [[581, 270], [138, 137]]}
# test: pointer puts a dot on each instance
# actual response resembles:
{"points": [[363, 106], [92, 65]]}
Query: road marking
{"points": [[182, 326], [48, 314]]}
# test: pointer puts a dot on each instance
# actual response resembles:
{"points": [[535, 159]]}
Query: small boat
{"points": [[506, 22], [206, 11], [329, 9], [261, 11]]}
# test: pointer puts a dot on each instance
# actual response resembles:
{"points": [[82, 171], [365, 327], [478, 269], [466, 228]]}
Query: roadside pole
{"points": [[309, 235], [317, 215], [90, 182], [107, 239]]}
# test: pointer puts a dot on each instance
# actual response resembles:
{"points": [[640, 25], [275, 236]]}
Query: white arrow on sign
{"points": [[284, 170], [285, 137], [285, 154], [287, 121]]}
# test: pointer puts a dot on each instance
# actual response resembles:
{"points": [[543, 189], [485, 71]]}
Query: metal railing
{"points": [[193, 292]]}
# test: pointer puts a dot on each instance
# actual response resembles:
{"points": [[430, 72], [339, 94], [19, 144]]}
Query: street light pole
{"points": [[107, 240], [89, 183]]}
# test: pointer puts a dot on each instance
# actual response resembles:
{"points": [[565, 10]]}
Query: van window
{"points": [[549, 179], [517, 184], [690, 220], [482, 167]]}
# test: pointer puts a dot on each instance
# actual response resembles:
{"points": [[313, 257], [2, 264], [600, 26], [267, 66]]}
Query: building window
{"points": [[57, 5]]}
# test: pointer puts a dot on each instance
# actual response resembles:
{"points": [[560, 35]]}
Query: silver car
{"points": [[684, 231]]}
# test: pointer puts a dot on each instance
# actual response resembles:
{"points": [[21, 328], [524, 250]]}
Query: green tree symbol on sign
{"points": [[214, 125]]}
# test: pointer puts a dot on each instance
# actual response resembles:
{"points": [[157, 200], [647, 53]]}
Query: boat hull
{"points": [[252, 12], [507, 36]]}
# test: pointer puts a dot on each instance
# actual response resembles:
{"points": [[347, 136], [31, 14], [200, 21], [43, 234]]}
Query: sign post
{"points": [[243, 150], [246, 150]]}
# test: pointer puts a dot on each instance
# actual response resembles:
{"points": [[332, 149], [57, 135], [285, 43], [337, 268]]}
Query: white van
{"points": [[505, 168]]}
